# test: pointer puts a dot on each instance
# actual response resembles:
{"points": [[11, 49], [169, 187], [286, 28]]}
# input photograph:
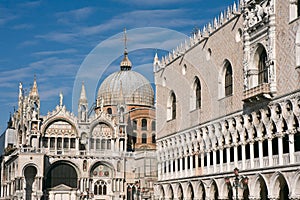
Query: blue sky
{"points": [[54, 39]]}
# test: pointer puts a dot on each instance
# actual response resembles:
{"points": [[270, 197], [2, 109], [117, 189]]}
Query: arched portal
{"points": [[61, 173], [29, 173]]}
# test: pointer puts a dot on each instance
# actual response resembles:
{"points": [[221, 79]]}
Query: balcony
{"points": [[258, 93]]}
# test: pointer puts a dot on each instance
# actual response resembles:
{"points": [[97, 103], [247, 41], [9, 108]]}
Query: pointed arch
{"points": [[259, 184], [171, 106], [196, 94], [213, 191], [226, 79], [190, 192], [201, 192], [296, 184], [280, 186], [180, 192], [169, 192]]}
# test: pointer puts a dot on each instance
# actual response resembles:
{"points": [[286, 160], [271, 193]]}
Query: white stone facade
{"points": [[245, 112]]}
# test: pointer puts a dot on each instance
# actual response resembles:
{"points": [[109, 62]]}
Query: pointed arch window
{"points": [[262, 66], [228, 79], [197, 93], [171, 107]]}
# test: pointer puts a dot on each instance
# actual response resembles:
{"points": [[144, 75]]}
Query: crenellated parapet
{"points": [[200, 35]]}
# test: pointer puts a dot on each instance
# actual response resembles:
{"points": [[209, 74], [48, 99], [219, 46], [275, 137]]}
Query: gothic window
{"points": [[171, 107], [144, 124], [228, 79], [196, 96], [144, 138], [262, 67], [100, 188]]}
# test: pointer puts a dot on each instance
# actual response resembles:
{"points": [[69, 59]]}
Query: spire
{"points": [[34, 89], [125, 64], [82, 99], [61, 97], [20, 90], [155, 60]]}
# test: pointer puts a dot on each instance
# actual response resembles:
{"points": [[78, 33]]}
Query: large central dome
{"points": [[126, 86]]}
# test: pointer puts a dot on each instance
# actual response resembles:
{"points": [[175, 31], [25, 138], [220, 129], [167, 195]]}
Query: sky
{"points": [[65, 42]]}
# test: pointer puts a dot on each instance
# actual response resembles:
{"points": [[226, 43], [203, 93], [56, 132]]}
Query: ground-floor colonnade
{"points": [[279, 185]]}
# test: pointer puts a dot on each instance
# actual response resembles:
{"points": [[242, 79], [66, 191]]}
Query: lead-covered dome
{"points": [[126, 85]]}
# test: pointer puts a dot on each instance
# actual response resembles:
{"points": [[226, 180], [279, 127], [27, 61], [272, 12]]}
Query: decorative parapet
{"points": [[256, 13], [200, 35]]}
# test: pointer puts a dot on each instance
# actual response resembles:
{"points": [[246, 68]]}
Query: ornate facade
{"points": [[230, 97], [109, 154]]}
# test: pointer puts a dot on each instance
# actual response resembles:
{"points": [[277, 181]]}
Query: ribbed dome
{"points": [[128, 86]]}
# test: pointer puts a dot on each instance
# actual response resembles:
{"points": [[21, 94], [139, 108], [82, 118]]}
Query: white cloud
{"points": [[28, 43], [74, 15], [30, 4], [49, 53], [141, 18], [58, 37], [6, 16]]}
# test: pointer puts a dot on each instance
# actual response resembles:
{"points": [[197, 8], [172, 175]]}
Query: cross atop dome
{"points": [[125, 63]]}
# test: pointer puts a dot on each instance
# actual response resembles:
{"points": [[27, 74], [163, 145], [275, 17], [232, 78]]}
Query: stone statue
{"points": [[61, 97]]}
